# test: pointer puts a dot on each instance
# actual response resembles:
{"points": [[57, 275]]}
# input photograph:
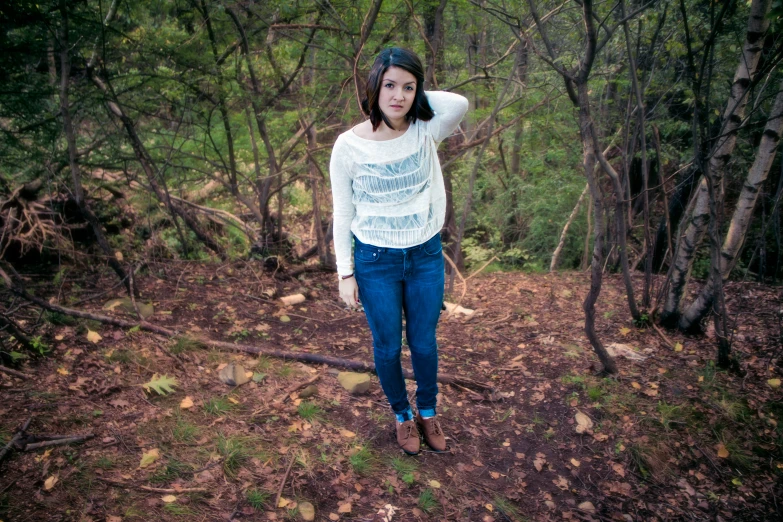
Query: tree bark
{"points": [[740, 221], [70, 136], [720, 155], [556, 254], [641, 116]]}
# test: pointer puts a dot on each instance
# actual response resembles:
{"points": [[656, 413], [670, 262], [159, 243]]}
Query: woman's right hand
{"points": [[349, 292]]}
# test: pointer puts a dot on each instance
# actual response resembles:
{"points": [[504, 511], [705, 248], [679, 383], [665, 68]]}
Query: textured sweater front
{"points": [[390, 193]]}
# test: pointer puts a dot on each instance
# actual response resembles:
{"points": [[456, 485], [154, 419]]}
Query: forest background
{"points": [[190, 129], [635, 139]]}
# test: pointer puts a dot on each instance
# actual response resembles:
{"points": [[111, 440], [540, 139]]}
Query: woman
{"points": [[389, 197]]}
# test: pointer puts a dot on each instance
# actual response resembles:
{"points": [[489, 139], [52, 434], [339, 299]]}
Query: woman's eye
{"points": [[409, 88], [389, 85]]}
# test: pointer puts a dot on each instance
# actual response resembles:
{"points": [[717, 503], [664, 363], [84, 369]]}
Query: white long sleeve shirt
{"points": [[390, 193]]}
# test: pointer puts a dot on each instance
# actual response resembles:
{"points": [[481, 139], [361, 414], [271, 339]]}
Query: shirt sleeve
{"points": [[449, 109], [344, 209]]}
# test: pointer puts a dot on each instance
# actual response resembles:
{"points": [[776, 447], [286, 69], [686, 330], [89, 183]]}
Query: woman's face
{"points": [[398, 89]]}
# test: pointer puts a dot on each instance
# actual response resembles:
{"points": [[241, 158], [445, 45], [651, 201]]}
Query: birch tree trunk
{"points": [[719, 157], [556, 254], [735, 237]]}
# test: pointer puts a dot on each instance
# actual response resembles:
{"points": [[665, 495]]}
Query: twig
{"points": [[295, 387], [15, 439], [58, 442], [485, 265], [120, 484], [663, 336], [15, 373], [285, 478]]}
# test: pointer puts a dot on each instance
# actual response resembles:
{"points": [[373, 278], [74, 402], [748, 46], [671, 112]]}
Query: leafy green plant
{"points": [[184, 344], [427, 501], [234, 451], [257, 498], [405, 468], [361, 460], [308, 410], [218, 406]]}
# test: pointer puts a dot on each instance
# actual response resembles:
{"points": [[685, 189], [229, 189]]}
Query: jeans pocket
{"points": [[433, 246], [366, 254]]}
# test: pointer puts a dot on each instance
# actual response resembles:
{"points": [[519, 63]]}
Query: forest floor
{"points": [[672, 437]]}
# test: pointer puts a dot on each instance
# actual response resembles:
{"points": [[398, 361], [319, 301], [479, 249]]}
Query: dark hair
{"points": [[408, 61]]}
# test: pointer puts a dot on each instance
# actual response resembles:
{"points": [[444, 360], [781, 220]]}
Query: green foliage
{"points": [[309, 411], [427, 501], [361, 460], [257, 498]]}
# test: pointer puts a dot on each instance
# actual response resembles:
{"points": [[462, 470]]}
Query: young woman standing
{"points": [[389, 198]]}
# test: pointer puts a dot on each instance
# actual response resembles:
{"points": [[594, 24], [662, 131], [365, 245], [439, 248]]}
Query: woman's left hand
{"points": [[349, 292]]}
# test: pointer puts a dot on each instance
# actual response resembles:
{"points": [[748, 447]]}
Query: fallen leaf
{"points": [[345, 508], [93, 337], [619, 469], [636, 386], [587, 506], [624, 331], [50, 482], [722, 451], [62, 371], [285, 319], [168, 499], [538, 463], [561, 482], [347, 434], [334, 516], [774, 383], [678, 347], [283, 502], [494, 474], [489, 507], [148, 457], [434, 484], [583, 422], [186, 403], [161, 384], [576, 462], [59, 337]]}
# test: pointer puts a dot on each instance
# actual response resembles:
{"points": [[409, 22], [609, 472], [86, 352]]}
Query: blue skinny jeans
{"points": [[396, 280]]}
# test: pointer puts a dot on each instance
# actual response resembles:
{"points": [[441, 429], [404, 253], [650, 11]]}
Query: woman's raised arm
{"points": [[449, 109]]}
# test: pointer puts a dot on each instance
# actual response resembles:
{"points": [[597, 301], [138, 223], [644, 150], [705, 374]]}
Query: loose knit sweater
{"points": [[390, 193]]}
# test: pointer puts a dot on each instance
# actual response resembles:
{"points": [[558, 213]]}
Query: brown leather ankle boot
{"points": [[408, 437], [433, 434]]}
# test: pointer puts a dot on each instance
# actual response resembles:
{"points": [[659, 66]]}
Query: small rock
{"points": [[307, 511], [309, 391], [355, 383], [233, 375]]}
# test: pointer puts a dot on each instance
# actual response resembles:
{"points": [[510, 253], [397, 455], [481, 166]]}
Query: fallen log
{"points": [[337, 362]]}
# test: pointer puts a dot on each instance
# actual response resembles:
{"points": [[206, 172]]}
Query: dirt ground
{"points": [[670, 438]]}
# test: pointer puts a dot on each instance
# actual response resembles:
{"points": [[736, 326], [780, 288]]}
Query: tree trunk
{"points": [[735, 237], [641, 114], [596, 276], [70, 136], [719, 157], [556, 254], [148, 167]]}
